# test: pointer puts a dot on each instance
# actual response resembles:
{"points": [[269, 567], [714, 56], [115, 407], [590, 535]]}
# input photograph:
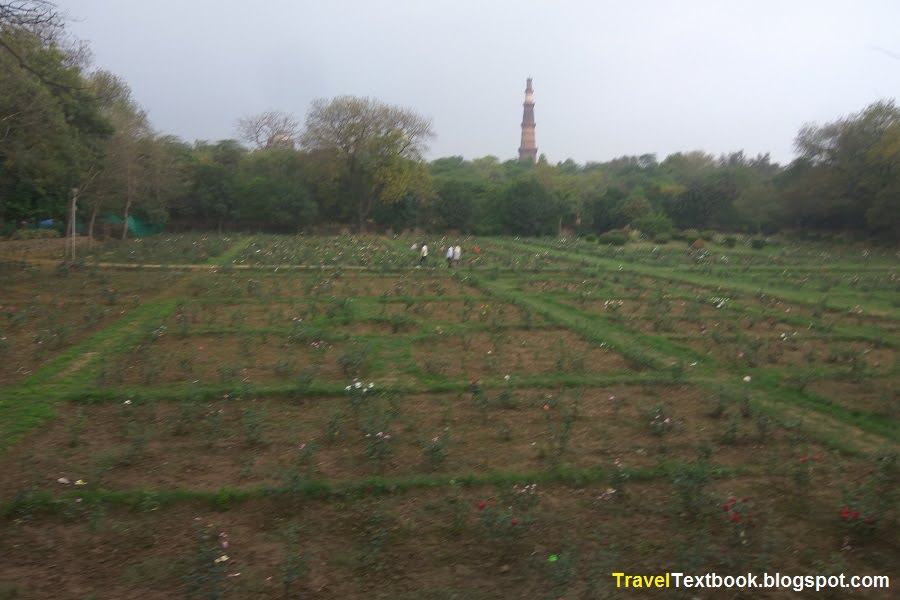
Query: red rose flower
{"points": [[803, 459], [513, 521], [482, 505], [735, 517]]}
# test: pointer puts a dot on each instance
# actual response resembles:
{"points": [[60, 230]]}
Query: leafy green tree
{"points": [[123, 180], [167, 158], [706, 202], [376, 149], [213, 189], [456, 203], [527, 207], [634, 208], [273, 191], [756, 207], [882, 182], [843, 170], [51, 129]]}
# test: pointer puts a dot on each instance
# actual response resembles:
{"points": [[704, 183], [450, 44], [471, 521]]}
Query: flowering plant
{"points": [[509, 517], [358, 391], [659, 421], [435, 450], [874, 497], [378, 446], [741, 519]]}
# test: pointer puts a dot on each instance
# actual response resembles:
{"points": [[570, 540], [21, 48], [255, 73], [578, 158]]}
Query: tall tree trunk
{"points": [[362, 218], [91, 225], [125, 224]]}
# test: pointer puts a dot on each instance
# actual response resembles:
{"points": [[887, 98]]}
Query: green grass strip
{"points": [[669, 272], [40, 502], [226, 257], [29, 406]]}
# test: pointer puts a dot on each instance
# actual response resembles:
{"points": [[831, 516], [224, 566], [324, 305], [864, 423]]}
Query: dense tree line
{"points": [[357, 162]]}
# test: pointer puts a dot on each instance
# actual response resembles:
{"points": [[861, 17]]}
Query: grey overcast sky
{"points": [[610, 77]]}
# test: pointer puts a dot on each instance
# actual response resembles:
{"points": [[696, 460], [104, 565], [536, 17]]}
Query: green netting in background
{"points": [[136, 226]]}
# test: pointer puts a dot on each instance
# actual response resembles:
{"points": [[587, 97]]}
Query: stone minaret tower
{"points": [[528, 149]]}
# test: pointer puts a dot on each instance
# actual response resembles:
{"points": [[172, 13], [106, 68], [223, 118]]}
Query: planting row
{"points": [[243, 441]]}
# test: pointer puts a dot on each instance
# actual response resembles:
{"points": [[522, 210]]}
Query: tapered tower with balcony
{"points": [[528, 147]]}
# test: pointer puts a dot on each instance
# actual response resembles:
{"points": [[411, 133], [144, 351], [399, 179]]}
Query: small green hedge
{"points": [[616, 237]]}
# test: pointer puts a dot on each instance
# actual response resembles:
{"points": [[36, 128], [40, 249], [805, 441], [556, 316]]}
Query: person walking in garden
{"points": [[424, 254], [449, 256], [457, 253]]}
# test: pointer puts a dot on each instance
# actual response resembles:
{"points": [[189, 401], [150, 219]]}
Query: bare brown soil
{"points": [[53, 248], [503, 352], [208, 444], [801, 352], [879, 396], [421, 543], [228, 358], [458, 312], [428, 544]]}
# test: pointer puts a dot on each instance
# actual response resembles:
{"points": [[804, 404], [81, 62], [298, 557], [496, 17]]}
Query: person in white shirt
{"points": [[424, 254], [449, 256], [457, 253]]}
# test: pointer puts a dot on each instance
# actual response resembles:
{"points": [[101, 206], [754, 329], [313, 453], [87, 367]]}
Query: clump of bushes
{"points": [[729, 241], [653, 224], [35, 234], [590, 238], [689, 235], [758, 243], [614, 237]]}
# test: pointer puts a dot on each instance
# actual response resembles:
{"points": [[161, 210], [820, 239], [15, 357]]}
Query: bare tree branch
{"points": [[33, 15], [8, 119], [269, 129], [42, 20]]}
